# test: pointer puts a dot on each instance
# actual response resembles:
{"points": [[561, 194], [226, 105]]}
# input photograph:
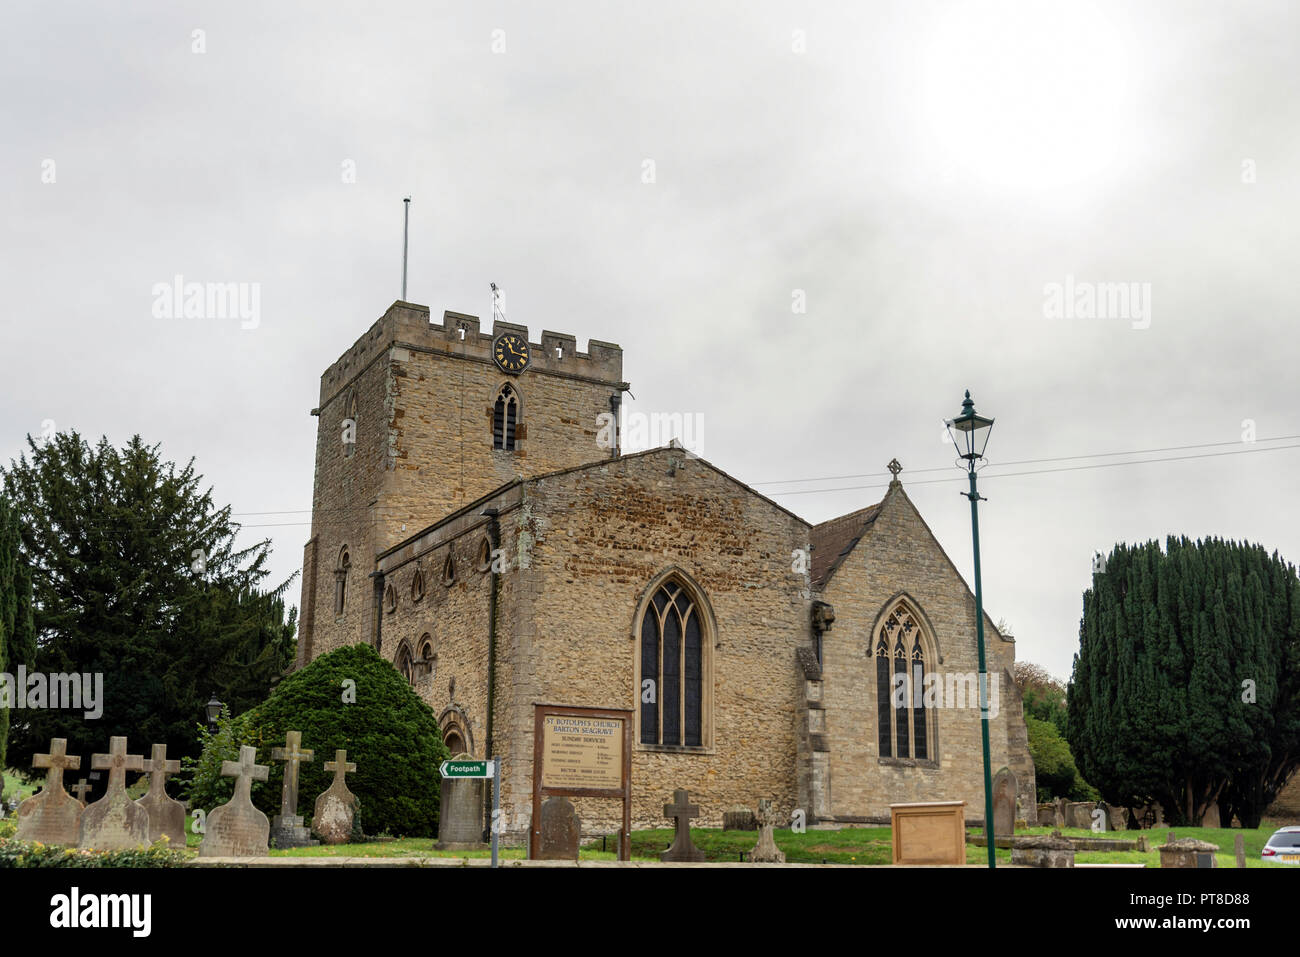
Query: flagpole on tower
{"points": [[406, 227]]}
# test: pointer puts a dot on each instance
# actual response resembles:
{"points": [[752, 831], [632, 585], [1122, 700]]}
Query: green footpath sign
{"points": [[466, 769]]}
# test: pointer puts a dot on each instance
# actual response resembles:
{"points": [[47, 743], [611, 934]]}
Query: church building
{"points": [[473, 522]]}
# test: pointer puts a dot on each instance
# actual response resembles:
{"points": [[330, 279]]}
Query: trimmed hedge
{"points": [[14, 853], [388, 731]]}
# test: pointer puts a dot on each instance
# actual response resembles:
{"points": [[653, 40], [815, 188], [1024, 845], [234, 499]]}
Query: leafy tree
{"points": [[1044, 696], [1186, 686], [349, 698], [136, 575], [1054, 767]]}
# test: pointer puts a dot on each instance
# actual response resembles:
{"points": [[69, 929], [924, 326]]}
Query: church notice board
{"points": [[932, 833], [581, 752]]}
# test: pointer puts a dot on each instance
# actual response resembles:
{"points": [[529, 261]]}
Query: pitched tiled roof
{"points": [[834, 539]]}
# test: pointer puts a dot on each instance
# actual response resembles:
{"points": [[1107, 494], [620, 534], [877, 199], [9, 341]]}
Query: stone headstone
{"points": [[52, 816], [80, 791], [1160, 816], [287, 828], [460, 819], [115, 822], [166, 816], [739, 818], [1189, 853], [681, 811], [1211, 818], [1239, 848], [1079, 814], [335, 809], [1117, 818], [237, 829], [1144, 844], [560, 830], [766, 851], [1058, 813], [1004, 803], [1051, 850]]}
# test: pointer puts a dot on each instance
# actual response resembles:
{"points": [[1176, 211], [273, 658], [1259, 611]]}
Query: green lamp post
{"points": [[970, 434]]}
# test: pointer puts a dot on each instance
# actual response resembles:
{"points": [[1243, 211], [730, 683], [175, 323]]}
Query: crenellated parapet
{"points": [[409, 326]]}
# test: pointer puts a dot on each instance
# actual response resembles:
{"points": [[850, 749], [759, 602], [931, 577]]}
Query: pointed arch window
{"points": [[505, 419], [405, 663], [672, 669], [904, 725], [417, 585]]}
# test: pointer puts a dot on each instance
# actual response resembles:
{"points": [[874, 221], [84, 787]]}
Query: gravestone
{"points": [[1051, 850], [332, 819], [739, 818], [1118, 818], [1058, 813], [1004, 803], [560, 830], [52, 816], [115, 822], [237, 829], [1211, 818], [1189, 853], [766, 851], [681, 811], [1239, 847], [166, 816], [1079, 814], [460, 819], [80, 791], [286, 828]]}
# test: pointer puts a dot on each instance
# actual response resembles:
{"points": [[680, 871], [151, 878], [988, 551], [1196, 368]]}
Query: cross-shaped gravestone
{"points": [[340, 766], [766, 851], [237, 829], [117, 762], [166, 816], [287, 825], [292, 754], [80, 791], [682, 810], [56, 761], [53, 816], [115, 822], [335, 808]]}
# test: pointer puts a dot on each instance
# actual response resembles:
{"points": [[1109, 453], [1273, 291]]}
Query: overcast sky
{"points": [[812, 225]]}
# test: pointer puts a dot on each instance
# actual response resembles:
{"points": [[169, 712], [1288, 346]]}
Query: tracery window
{"points": [[904, 725], [672, 668]]}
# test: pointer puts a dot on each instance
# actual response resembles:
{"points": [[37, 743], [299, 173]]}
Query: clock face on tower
{"points": [[511, 352]]}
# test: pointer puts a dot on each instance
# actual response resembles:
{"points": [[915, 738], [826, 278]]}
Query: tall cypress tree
{"points": [[1186, 686], [17, 635]]}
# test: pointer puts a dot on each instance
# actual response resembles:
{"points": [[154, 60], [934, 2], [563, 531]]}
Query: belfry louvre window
{"points": [[671, 669], [903, 723], [505, 419]]}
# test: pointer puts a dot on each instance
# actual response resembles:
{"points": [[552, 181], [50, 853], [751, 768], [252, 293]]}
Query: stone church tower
{"points": [[474, 523], [409, 429]]}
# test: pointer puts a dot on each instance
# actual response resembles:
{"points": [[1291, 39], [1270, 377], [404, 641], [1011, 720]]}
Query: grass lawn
{"points": [[855, 845], [1223, 837], [14, 785]]}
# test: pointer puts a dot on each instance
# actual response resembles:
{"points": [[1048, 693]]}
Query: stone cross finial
{"points": [[894, 468], [340, 766], [292, 754], [80, 791], [159, 767], [246, 770], [117, 762], [57, 761]]}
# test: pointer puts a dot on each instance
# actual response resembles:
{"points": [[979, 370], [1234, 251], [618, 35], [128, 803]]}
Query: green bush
{"points": [[391, 735], [34, 854]]}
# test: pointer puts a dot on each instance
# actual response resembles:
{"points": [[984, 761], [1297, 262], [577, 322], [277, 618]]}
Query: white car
{"points": [[1283, 846]]}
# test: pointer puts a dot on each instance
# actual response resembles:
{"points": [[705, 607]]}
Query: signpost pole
{"points": [[496, 806]]}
